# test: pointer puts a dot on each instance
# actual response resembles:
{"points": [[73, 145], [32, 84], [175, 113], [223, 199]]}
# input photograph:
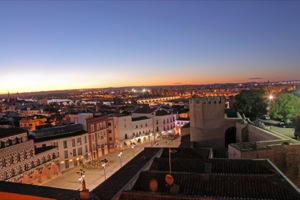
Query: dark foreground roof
{"points": [[214, 166], [212, 187], [116, 182], [40, 191], [190, 153], [196, 177]]}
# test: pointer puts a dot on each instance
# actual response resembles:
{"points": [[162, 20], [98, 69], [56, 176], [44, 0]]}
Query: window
{"points": [[65, 144], [98, 126], [93, 138], [110, 139], [79, 141], [79, 151], [109, 131], [109, 124], [74, 152], [66, 164], [73, 142], [86, 148], [136, 126], [66, 153], [85, 139], [92, 128]]}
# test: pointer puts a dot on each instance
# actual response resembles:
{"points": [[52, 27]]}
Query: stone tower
{"points": [[207, 122]]}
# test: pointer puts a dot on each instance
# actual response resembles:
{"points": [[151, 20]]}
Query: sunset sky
{"points": [[50, 45]]}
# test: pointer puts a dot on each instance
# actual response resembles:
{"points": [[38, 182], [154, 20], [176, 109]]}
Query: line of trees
{"points": [[284, 106], [254, 103]]}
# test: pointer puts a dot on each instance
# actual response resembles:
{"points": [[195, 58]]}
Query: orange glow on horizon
{"points": [[90, 82]]}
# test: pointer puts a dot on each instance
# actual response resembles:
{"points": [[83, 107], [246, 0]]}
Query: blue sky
{"points": [[47, 45]]}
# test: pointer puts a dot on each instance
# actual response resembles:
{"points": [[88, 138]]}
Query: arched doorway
{"points": [[230, 136]]}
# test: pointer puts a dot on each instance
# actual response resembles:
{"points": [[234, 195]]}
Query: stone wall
{"points": [[284, 155]]}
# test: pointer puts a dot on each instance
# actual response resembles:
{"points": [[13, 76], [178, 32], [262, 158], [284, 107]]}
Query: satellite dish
{"points": [[153, 185], [169, 179]]}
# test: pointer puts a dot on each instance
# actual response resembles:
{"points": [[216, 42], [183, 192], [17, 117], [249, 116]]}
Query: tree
{"points": [[297, 128], [251, 103], [285, 106]]}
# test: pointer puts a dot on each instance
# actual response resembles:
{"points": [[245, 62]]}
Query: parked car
{"points": [[266, 117], [286, 124]]}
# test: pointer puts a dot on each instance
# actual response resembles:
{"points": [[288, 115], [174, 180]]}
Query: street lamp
{"points": [[81, 175], [104, 162], [120, 156], [151, 134], [84, 191], [132, 146], [271, 97]]}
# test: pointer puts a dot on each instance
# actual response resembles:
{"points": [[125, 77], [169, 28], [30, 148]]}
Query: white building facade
{"points": [[72, 143]]}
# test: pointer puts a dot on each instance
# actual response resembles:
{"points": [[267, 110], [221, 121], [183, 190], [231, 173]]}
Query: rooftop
{"points": [[58, 136], [116, 182], [196, 177], [40, 191], [6, 132], [145, 109], [139, 118], [161, 112], [43, 149], [211, 187]]}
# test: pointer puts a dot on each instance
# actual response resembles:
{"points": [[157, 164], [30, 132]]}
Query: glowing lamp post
{"points": [[120, 157], [84, 194], [81, 175], [104, 162], [132, 147], [151, 134]]}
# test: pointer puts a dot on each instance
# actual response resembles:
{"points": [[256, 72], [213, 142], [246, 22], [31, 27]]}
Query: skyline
{"points": [[94, 44]]}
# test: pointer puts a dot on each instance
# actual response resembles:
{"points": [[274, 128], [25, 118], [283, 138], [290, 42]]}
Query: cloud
{"points": [[255, 78]]}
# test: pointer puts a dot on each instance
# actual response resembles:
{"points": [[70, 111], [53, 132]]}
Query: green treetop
{"points": [[251, 103], [285, 106]]}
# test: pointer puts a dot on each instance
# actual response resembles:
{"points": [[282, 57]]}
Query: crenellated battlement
{"points": [[208, 100]]}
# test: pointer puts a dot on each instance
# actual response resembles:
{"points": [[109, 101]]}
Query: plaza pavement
{"points": [[69, 179]]}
